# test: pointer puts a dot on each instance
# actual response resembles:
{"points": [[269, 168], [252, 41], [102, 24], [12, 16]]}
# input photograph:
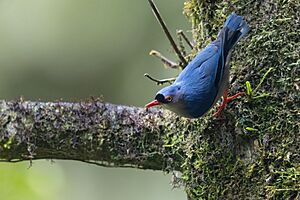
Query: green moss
{"points": [[256, 152]]}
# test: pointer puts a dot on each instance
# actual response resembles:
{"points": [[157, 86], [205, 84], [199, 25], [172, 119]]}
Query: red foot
{"points": [[226, 100]]}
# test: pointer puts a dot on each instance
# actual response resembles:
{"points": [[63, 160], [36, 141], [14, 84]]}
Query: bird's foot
{"points": [[235, 96], [219, 110], [226, 100]]}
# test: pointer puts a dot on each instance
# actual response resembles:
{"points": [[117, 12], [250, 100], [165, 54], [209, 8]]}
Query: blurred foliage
{"points": [[74, 49], [19, 182]]}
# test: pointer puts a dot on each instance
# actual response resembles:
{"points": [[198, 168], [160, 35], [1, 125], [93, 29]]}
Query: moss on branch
{"points": [[269, 59], [93, 131]]}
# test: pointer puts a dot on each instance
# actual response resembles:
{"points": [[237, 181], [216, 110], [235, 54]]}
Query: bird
{"points": [[206, 77]]}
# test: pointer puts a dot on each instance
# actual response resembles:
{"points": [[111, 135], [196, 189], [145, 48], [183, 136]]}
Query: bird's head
{"points": [[168, 96]]}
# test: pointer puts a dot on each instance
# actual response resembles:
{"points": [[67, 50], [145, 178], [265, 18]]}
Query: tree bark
{"points": [[268, 60], [97, 132]]}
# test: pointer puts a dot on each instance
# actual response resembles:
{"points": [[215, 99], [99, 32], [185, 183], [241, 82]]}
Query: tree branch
{"points": [[97, 132]]}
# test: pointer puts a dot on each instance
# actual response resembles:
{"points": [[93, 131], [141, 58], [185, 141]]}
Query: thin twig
{"points": [[181, 45], [190, 44], [166, 61], [169, 36], [160, 81]]}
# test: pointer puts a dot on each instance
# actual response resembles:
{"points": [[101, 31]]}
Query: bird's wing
{"points": [[221, 60], [206, 63]]}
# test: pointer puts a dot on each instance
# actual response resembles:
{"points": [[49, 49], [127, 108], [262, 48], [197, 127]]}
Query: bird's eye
{"points": [[169, 98]]}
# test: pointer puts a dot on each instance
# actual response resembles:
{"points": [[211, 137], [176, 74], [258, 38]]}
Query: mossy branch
{"points": [[102, 133]]}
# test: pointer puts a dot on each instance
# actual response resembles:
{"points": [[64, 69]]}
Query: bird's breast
{"points": [[179, 109]]}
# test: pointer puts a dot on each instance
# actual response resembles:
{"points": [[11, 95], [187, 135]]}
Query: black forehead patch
{"points": [[160, 98]]}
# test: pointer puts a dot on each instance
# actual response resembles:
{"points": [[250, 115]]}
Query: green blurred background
{"points": [[71, 50]]}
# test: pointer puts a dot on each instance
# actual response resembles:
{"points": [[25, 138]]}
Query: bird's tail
{"points": [[234, 29]]}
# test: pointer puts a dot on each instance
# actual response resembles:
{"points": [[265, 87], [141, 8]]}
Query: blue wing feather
{"points": [[207, 54]]}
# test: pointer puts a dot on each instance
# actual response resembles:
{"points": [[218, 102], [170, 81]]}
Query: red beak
{"points": [[153, 103]]}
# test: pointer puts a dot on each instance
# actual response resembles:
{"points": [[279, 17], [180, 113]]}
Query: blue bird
{"points": [[206, 78]]}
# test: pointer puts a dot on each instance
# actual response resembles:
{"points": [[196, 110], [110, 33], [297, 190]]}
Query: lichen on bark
{"points": [[268, 120], [92, 131]]}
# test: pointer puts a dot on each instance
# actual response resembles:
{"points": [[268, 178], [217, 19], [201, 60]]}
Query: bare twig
{"points": [[169, 36], [160, 81], [166, 61], [181, 33]]}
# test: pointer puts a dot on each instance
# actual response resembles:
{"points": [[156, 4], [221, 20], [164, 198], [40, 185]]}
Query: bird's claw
{"points": [[219, 110], [225, 101]]}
